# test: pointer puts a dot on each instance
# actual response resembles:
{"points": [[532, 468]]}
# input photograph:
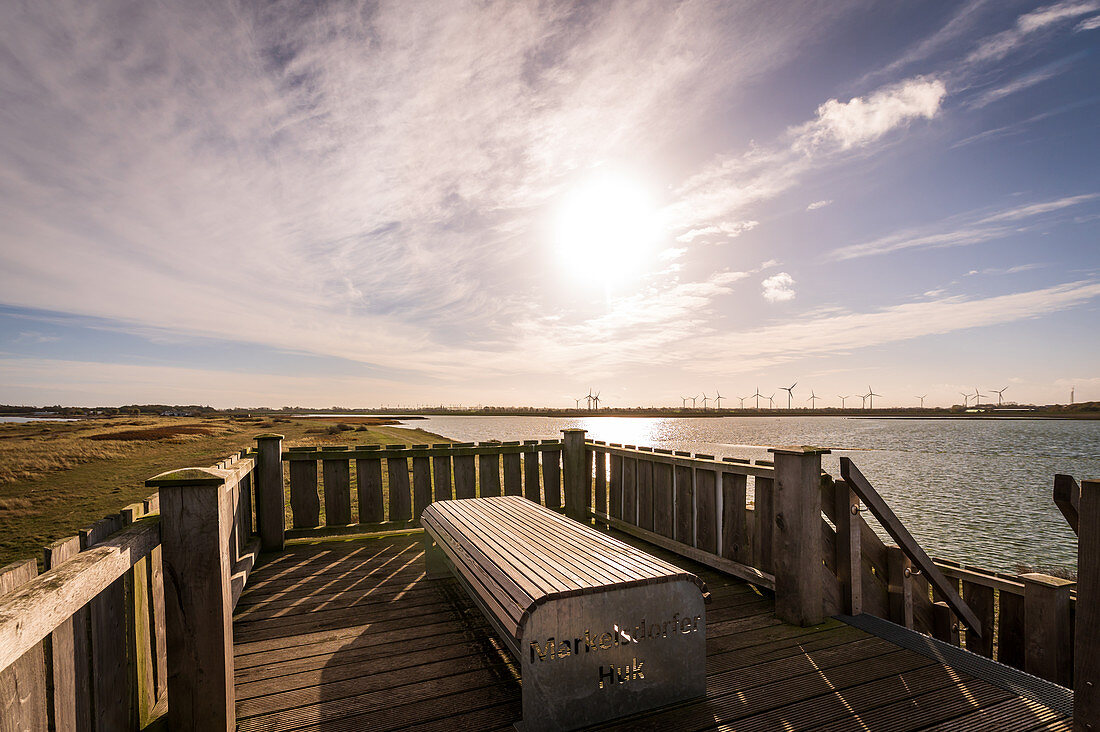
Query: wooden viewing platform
{"points": [[352, 635], [202, 609]]}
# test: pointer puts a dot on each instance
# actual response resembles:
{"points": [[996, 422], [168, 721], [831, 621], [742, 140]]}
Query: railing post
{"points": [[195, 533], [270, 513], [573, 462], [796, 554], [1046, 627], [1086, 677]]}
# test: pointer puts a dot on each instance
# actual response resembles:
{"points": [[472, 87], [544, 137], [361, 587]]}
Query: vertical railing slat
{"points": [[465, 474], [630, 490], [23, 684], [70, 703], [900, 587], [337, 477], [644, 478], [849, 568], [532, 491], [441, 467], [685, 504], [368, 484], [600, 472], [981, 600], [663, 518], [551, 477], [1010, 629], [422, 483], [706, 509], [764, 517], [111, 679], [400, 490], [305, 504], [735, 540], [140, 617], [156, 596], [615, 487], [488, 472], [513, 474]]}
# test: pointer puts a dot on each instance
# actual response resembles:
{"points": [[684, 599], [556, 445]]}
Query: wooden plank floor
{"points": [[350, 635]]}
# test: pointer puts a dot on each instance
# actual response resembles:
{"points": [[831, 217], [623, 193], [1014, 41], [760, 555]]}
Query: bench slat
{"points": [[516, 555]]}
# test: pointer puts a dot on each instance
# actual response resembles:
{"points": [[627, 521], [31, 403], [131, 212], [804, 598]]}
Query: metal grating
{"points": [[1058, 698]]}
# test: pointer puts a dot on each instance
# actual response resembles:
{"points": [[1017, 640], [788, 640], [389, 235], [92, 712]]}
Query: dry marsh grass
{"points": [[54, 481]]}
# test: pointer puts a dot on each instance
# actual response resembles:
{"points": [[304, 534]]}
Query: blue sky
{"points": [[401, 203]]}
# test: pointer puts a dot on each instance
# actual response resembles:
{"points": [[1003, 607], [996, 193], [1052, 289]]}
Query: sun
{"points": [[606, 227]]}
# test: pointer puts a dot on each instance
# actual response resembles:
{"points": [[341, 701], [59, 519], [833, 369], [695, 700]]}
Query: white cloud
{"points": [[1088, 24], [1002, 44], [750, 349], [962, 230], [863, 120], [778, 288], [1016, 269], [818, 204], [726, 229]]}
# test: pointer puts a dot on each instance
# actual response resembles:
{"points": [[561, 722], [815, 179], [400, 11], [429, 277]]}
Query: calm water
{"points": [[974, 491], [38, 419]]}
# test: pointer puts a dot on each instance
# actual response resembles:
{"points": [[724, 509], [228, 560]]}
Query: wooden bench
{"points": [[600, 629]]}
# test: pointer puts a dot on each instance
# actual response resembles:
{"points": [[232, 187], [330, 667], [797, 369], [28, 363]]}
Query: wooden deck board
{"points": [[351, 635]]}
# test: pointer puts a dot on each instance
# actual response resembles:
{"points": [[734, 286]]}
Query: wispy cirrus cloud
{"points": [[962, 230], [818, 204], [1002, 44], [719, 195]]}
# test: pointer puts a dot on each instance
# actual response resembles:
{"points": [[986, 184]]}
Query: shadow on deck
{"points": [[351, 635]]}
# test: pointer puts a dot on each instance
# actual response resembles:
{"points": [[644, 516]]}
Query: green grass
{"points": [[57, 478]]}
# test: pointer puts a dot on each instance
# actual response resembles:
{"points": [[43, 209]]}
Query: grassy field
{"points": [[59, 477]]}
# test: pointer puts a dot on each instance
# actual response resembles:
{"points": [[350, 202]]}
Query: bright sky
{"points": [[509, 203]]}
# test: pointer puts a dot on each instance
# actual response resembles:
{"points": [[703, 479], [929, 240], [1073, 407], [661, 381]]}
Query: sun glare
{"points": [[605, 228]]}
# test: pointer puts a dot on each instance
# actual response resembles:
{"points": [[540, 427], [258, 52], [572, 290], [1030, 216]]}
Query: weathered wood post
{"points": [[195, 531], [269, 492], [1086, 675], [1047, 627], [573, 462], [797, 554]]}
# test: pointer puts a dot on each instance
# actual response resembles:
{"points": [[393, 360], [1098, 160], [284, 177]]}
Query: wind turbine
{"points": [[596, 399], [757, 395], [771, 401], [578, 402], [717, 399], [813, 399], [978, 397], [842, 398], [1000, 393], [790, 392], [705, 400], [871, 395], [693, 401], [743, 401], [588, 397], [684, 401], [922, 401], [966, 399]]}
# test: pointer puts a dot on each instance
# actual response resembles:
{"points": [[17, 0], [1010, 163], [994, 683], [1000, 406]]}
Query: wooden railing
{"points": [[140, 604], [100, 638], [393, 484]]}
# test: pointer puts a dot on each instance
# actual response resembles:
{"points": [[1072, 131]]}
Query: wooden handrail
{"points": [[762, 468], [30, 613], [908, 544], [1067, 496]]}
